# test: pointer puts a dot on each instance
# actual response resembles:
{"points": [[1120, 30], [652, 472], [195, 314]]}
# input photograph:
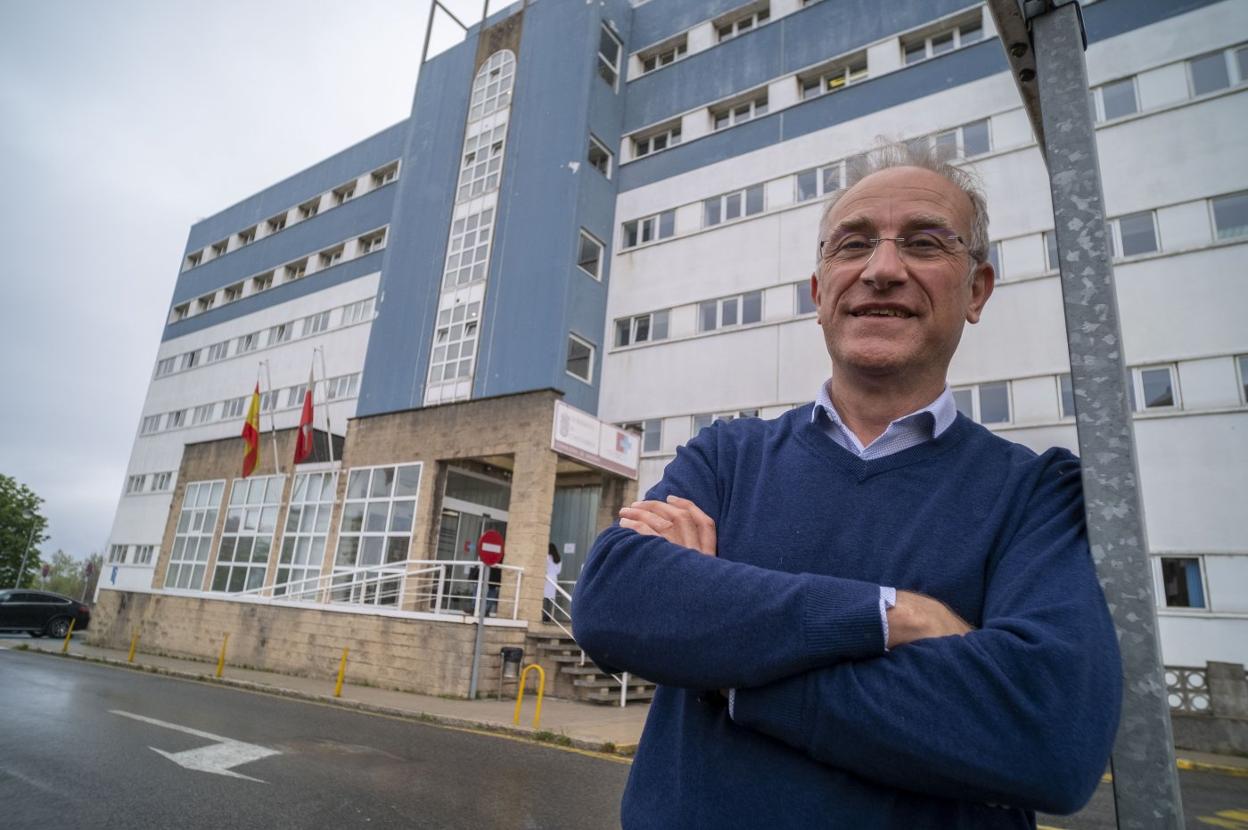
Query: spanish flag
{"points": [[251, 434]]}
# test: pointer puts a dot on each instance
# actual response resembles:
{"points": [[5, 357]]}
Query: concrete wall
{"points": [[386, 651]]}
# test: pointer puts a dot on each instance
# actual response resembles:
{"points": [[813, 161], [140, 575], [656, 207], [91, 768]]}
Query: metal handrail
{"points": [[621, 678]]}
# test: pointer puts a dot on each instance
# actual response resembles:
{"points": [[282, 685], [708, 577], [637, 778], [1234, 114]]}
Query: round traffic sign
{"points": [[490, 548]]}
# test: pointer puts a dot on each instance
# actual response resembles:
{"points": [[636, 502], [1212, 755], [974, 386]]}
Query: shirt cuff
{"points": [[888, 598]]}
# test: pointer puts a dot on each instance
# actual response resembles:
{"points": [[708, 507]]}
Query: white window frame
{"points": [[357, 312], [648, 229], [220, 248], [205, 303], [150, 425], [1213, 218], [203, 413], [491, 88], [721, 303], [135, 484], [1230, 64], [305, 535], [833, 78], [371, 242], [583, 237], [280, 333], [344, 193], [1061, 402], [217, 352], [265, 512], [371, 592], [247, 236], [821, 183], [724, 116], [651, 431], [385, 174], [1116, 238], [739, 23], [976, 408], [468, 252], [605, 64], [161, 481], [234, 407], [1241, 371], [331, 256], [342, 387], [295, 270], [1098, 98], [954, 28], [166, 366], [589, 378], [117, 554], [276, 222], [1161, 581], [192, 540], [194, 260], [645, 145], [232, 293], [262, 282], [608, 158], [664, 54], [309, 208], [958, 135], [314, 324], [724, 200], [481, 163], [143, 554], [630, 325], [1137, 388], [802, 298], [175, 419]]}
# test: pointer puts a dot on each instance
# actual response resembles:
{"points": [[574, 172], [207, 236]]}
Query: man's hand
{"points": [[677, 520], [917, 617]]}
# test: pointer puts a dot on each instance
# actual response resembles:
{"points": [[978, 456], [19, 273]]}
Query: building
{"points": [[601, 231]]}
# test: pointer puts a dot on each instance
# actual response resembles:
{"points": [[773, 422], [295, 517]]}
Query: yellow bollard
{"points": [[342, 672], [65, 647], [221, 659], [134, 643], [541, 688]]}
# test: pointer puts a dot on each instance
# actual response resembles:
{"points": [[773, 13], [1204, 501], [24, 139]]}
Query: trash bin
{"points": [[512, 658]]}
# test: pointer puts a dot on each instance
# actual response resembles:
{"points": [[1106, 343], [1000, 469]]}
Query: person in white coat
{"points": [[554, 565]]}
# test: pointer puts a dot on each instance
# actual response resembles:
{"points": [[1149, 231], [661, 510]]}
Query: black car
{"points": [[41, 612]]}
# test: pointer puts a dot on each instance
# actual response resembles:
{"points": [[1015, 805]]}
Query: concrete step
{"points": [[613, 698]]}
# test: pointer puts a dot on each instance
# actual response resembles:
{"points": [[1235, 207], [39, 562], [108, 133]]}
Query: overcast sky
{"points": [[121, 123]]}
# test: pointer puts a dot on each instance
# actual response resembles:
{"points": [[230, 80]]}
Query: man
{"points": [[895, 620]]}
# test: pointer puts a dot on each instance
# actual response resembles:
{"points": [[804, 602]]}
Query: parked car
{"points": [[41, 612]]}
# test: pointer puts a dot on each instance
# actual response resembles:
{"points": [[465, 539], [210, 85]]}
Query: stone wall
{"points": [[424, 656]]}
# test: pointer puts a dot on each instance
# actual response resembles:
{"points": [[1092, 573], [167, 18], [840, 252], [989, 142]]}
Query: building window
{"points": [[181, 312], [455, 342], [232, 293], [117, 554], [802, 300], [580, 358], [331, 257], [296, 270], [987, 403], [262, 283], [481, 163], [370, 242], [1117, 99], [1230, 215], [599, 157], [166, 366], [1182, 583], [196, 523], [175, 419], [375, 531], [218, 351], [491, 89], [1050, 251], [151, 423], [1209, 73], [641, 231], [834, 77], [1065, 395], [247, 343], [994, 257], [343, 386], [469, 253], [221, 248], [1134, 234], [733, 205], [247, 236], [819, 181], [385, 175], [134, 484], [303, 542], [660, 56], [315, 324], [250, 522], [205, 303], [294, 395], [233, 408], [143, 554], [609, 57], [651, 434], [276, 223], [965, 141], [740, 23], [944, 40], [203, 413], [344, 194], [641, 329], [160, 482], [309, 208], [280, 333], [705, 419], [357, 312], [268, 400], [192, 260], [743, 309], [740, 112], [589, 255], [1242, 363], [1155, 386], [654, 142]]}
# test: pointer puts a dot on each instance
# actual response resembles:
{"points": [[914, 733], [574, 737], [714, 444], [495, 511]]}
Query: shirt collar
{"points": [[940, 413]]}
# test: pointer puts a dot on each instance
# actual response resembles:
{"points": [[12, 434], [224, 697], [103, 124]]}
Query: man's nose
{"points": [[884, 268]]}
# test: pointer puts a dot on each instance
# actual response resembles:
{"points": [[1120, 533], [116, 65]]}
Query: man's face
{"points": [[893, 315]]}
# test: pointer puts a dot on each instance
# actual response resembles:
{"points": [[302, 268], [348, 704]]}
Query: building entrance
{"points": [[472, 504]]}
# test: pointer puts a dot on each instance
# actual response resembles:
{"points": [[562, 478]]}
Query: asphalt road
{"points": [[68, 758]]}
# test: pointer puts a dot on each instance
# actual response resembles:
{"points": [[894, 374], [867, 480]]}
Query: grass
{"points": [[546, 737]]}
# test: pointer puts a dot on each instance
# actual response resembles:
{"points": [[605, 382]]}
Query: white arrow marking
{"points": [[216, 758]]}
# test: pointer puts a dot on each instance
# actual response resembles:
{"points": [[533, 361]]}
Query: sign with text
{"points": [[581, 436]]}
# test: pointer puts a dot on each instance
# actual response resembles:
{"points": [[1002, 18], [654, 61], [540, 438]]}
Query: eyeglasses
{"points": [[919, 247]]}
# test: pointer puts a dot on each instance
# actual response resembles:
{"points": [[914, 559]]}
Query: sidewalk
{"points": [[582, 725]]}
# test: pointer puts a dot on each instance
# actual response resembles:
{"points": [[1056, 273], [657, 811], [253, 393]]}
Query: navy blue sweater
{"points": [[829, 729]]}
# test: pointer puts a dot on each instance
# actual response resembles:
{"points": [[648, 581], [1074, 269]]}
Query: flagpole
{"points": [[277, 464], [329, 436]]}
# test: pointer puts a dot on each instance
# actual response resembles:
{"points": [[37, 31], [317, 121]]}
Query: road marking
{"points": [[216, 758], [1231, 819]]}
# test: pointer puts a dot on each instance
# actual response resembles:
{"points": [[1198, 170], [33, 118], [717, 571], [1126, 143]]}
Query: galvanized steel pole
{"points": [[1049, 68]]}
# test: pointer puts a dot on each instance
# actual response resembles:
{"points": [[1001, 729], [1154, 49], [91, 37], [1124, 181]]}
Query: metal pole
{"points": [[29, 542], [329, 436], [476, 648], [277, 465], [1146, 785]]}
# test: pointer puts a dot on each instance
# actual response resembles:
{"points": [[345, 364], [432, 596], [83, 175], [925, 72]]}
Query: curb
{"points": [[1205, 766], [623, 752]]}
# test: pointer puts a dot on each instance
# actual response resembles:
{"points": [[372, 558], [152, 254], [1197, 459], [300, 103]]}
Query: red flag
{"points": [[303, 438], [251, 434]]}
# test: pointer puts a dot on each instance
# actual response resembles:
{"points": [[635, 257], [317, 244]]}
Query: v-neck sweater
{"points": [[829, 729]]}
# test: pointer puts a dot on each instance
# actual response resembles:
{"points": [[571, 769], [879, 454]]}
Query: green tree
{"points": [[68, 576], [19, 517]]}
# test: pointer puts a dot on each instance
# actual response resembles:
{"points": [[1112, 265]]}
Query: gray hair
{"points": [[927, 156]]}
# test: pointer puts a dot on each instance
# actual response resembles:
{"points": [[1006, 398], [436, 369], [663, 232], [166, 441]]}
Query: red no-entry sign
{"points": [[490, 548]]}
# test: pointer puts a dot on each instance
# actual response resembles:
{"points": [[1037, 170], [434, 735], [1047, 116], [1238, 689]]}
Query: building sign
{"points": [[581, 436]]}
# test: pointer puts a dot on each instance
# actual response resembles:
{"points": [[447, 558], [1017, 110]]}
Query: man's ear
{"points": [[983, 280], [814, 296]]}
